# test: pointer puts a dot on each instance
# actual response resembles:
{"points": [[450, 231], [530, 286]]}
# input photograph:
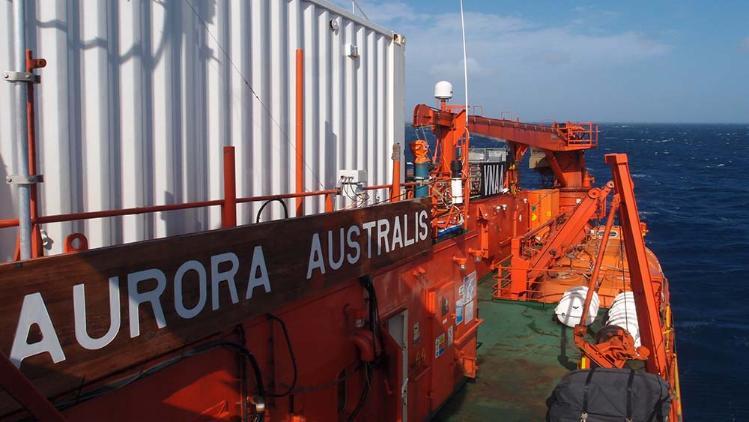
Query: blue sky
{"points": [[623, 61]]}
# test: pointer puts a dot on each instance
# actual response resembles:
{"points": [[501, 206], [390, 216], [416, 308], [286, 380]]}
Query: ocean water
{"points": [[692, 187]]}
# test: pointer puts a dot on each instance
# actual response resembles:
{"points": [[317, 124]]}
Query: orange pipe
{"points": [[36, 238], [329, 203], [229, 207], [466, 179], [287, 195], [388, 186], [299, 130], [127, 211], [395, 190], [13, 222]]}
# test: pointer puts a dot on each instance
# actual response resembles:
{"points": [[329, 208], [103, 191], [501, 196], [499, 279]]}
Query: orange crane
{"points": [[563, 145]]}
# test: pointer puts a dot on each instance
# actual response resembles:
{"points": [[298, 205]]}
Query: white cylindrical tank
{"points": [[443, 90], [570, 308], [624, 315]]}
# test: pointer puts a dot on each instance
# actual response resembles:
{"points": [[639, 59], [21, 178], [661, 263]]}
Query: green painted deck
{"points": [[523, 354]]}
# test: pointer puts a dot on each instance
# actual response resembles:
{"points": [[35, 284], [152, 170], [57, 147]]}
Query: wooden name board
{"points": [[69, 318]]}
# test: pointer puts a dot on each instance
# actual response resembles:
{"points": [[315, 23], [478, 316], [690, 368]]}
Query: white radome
{"points": [[443, 90]]}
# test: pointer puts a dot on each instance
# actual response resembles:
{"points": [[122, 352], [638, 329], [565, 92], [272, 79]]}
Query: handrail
{"points": [[228, 204], [388, 186], [286, 196], [59, 218]]}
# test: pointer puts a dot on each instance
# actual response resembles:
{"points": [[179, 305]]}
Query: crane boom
{"points": [[563, 144], [557, 137]]}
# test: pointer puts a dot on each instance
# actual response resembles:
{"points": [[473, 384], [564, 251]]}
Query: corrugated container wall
{"points": [[138, 98]]}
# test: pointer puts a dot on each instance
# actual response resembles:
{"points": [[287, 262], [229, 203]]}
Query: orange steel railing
{"points": [[389, 186], [228, 204]]}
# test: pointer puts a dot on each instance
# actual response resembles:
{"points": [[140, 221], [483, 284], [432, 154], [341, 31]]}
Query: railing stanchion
{"points": [[329, 202], [36, 238], [229, 207], [299, 155], [395, 190]]}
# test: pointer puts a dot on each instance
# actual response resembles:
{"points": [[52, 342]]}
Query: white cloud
{"points": [[514, 63], [388, 11], [494, 39]]}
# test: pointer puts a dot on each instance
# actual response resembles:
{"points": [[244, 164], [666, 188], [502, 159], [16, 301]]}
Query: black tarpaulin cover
{"points": [[609, 394]]}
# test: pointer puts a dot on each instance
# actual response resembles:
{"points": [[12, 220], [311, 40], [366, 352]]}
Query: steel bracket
{"points": [[17, 179], [26, 77]]}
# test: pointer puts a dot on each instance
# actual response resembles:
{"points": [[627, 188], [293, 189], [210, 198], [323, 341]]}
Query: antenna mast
{"points": [[465, 58]]}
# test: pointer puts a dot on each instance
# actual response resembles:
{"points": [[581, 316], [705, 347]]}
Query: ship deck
{"points": [[523, 353]]}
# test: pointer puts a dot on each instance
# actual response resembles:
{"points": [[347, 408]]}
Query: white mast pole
{"points": [[465, 59]]}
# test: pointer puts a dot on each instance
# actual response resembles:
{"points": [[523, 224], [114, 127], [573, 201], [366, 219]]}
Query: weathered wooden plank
{"points": [[169, 292]]}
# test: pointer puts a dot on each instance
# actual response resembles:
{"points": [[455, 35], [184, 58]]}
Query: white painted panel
{"points": [[139, 97]]}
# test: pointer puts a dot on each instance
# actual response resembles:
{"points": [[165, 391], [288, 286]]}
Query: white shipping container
{"points": [[139, 97]]}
